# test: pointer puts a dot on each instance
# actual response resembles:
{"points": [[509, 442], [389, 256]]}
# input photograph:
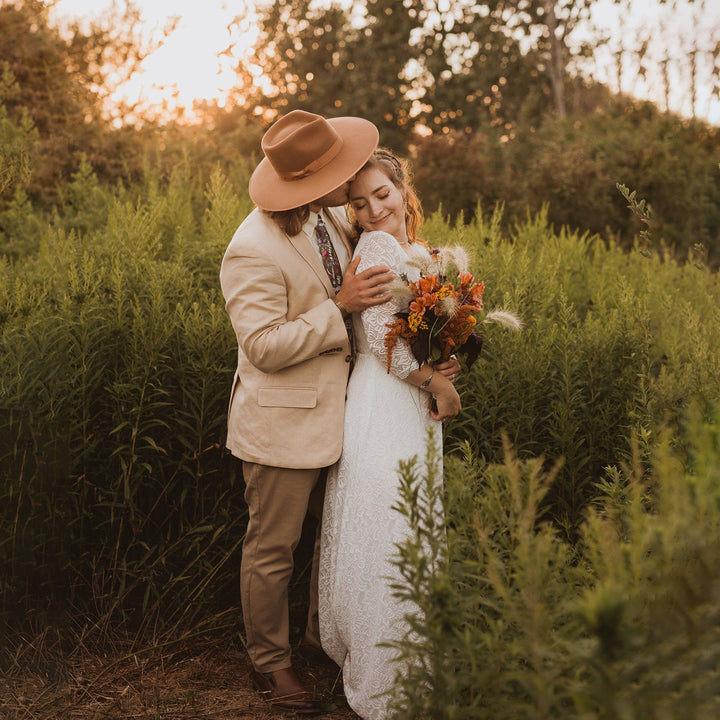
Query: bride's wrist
{"points": [[426, 382]]}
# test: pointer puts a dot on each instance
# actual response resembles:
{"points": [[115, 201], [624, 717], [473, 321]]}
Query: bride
{"points": [[386, 420]]}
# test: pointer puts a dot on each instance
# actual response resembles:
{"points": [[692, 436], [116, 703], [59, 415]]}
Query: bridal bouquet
{"points": [[443, 307]]}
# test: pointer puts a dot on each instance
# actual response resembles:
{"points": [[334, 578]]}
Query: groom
{"points": [[289, 287]]}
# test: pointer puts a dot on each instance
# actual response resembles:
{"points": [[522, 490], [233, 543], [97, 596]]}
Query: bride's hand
{"points": [[450, 368], [447, 403]]}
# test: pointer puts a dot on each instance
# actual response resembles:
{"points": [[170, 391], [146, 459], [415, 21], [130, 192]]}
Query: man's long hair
{"points": [[290, 221]]}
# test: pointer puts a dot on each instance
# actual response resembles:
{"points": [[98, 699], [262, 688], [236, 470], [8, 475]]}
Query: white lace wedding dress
{"points": [[386, 420]]}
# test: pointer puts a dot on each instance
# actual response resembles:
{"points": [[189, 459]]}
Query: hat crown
{"points": [[308, 156], [300, 143]]}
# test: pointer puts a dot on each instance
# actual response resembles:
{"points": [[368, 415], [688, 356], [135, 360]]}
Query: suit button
{"points": [[348, 358]]}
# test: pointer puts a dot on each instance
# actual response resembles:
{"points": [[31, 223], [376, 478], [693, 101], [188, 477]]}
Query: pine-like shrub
{"points": [[118, 499], [515, 621], [614, 343]]}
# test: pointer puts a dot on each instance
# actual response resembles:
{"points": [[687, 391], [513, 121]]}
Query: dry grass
{"points": [[62, 666], [200, 680]]}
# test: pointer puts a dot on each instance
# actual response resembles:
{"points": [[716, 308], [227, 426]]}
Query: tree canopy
{"points": [[486, 98], [432, 64], [53, 88]]}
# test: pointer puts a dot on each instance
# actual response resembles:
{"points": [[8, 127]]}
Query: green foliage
{"points": [[117, 495], [641, 210], [459, 171], [573, 166], [52, 91], [119, 502], [317, 59], [516, 622], [16, 146], [671, 162], [20, 226], [397, 64], [613, 343], [447, 83]]}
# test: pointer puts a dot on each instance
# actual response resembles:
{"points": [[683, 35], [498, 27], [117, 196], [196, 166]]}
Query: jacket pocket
{"points": [[287, 397]]}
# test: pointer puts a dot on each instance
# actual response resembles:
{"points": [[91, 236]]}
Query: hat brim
{"points": [[270, 192]]}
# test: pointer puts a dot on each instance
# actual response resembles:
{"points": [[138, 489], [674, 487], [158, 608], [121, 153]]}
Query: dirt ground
{"points": [[197, 683], [200, 677]]}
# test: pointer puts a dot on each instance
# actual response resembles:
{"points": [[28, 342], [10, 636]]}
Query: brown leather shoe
{"points": [[284, 691]]}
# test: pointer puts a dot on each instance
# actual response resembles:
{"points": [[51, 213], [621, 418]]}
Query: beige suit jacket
{"points": [[287, 403]]}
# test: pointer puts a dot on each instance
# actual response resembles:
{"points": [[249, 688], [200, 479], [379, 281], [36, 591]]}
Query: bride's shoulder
{"points": [[377, 237], [379, 245]]}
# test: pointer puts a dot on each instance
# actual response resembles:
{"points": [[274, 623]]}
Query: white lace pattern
{"points": [[386, 421]]}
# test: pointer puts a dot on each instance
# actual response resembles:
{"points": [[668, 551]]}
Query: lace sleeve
{"points": [[380, 248]]}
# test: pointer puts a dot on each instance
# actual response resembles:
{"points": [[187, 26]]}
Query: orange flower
{"points": [[427, 284], [440, 318], [442, 315], [423, 302]]}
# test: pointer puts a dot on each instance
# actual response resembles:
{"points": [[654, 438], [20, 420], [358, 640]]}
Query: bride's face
{"points": [[378, 204]]}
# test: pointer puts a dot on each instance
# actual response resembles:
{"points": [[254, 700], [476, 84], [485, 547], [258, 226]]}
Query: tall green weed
{"points": [[614, 344], [515, 621], [117, 495]]}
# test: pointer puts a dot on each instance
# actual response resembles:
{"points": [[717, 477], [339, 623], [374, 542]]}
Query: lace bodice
{"points": [[380, 248]]}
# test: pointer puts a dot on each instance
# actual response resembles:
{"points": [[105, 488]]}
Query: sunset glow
{"points": [[196, 61]]}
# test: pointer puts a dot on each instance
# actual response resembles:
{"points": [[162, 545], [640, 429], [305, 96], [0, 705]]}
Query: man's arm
{"points": [[367, 288], [257, 303]]}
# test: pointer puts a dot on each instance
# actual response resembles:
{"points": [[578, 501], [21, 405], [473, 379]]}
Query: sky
{"points": [[187, 66], [672, 29]]}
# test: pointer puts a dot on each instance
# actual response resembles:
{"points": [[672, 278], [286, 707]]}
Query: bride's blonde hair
{"points": [[398, 172]]}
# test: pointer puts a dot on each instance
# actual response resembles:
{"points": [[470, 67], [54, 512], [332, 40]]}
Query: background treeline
{"points": [[490, 105]]}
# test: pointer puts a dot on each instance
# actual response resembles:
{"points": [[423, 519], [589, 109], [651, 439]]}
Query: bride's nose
{"points": [[375, 207]]}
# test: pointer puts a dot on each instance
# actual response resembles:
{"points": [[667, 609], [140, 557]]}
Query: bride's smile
{"points": [[378, 204]]}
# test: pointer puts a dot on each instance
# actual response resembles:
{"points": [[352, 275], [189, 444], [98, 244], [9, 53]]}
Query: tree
{"points": [[471, 72], [548, 26], [56, 81], [420, 62], [18, 141], [37, 60], [324, 60], [673, 60]]}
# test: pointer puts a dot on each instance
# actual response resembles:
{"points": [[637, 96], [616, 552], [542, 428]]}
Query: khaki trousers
{"points": [[278, 500]]}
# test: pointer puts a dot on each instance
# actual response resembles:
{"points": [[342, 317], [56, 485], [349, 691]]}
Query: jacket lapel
{"points": [[342, 230], [301, 243]]}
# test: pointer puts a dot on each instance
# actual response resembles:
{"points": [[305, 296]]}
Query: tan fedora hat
{"points": [[308, 156]]}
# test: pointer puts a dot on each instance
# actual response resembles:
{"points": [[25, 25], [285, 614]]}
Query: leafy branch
{"points": [[641, 210]]}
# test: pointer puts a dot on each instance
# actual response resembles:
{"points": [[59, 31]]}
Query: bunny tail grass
{"points": [[505, 318]]}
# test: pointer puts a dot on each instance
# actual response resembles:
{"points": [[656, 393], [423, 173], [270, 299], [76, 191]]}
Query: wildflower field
{"points": [[578, 572]]}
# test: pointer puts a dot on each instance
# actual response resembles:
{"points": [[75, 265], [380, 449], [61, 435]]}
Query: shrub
{"points": [[117, 494], [516, 622], [115, 491], [613, 344], [571, 167]]}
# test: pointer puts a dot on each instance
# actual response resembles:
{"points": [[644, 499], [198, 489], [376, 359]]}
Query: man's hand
{"points": [[368, 288]]}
